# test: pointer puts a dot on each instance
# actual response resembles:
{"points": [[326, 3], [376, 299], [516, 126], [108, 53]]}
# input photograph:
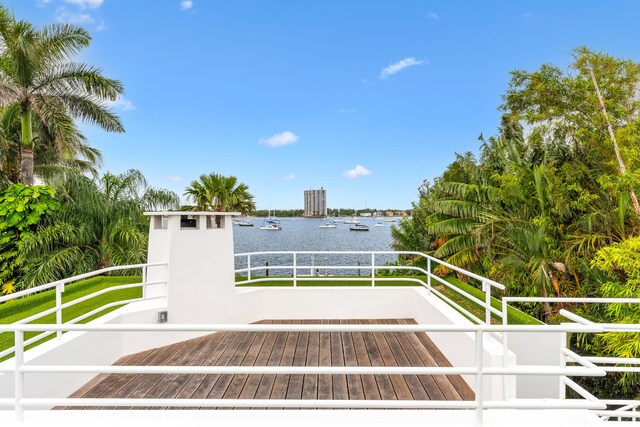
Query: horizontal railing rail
{"points": [[60, 306], [478, 370], [372, 268], [608, 364]]}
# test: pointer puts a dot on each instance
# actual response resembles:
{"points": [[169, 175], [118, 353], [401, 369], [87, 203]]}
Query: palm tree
{"points": [[51, 154], [99, 224], [37, 74], [218, 193]]}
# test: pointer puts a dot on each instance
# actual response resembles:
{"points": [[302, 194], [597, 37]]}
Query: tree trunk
{"points": [[26, 149], [623, 169]]}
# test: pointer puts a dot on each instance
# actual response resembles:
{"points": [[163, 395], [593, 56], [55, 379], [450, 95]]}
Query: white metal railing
{"points": [[59, 287], [295, 268], [19, 369], [627, 407]]}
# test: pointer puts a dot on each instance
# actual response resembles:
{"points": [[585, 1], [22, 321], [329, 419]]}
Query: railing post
{"points": [[486, 287], [59, 290], [505, 350], [18, 374], [144, 281], [295, 270], [429, 274], [248, 267], [373, 269], [479, 377]]}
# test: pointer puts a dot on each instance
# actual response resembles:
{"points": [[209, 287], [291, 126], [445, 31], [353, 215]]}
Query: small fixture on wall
{"points": [[163, 316]]}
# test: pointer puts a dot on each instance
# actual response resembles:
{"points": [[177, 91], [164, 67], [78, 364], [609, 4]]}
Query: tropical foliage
{"points": [[46, 90], [100, 223], [21, 209], [534, 209], [218, 193]]}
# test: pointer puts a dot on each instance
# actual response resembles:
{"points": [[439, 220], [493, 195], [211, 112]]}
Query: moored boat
{"points": [[359, 227]]}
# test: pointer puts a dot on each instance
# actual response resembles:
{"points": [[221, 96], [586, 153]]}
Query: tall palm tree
{"points": [[218, 193], [36, 72], [51, 154]]}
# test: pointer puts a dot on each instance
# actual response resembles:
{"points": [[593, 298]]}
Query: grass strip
{"points": [[21, 308]]}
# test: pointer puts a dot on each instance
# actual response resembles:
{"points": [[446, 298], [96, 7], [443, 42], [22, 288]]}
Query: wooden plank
{"points": [[251, 386], [294, 390], [310, 383], [101, 377], [267, 381], [238, 381], [289, 349], [209, 381], [459, 385], [354, 382], [413, 383], [369, 384], [208, 357], [428, 382], [325, 383], [281, 383], [340, 390], [113, 385], [219, 388], [399, 384], [105, 387], [154, 383], [174, 383], [384, 382]]}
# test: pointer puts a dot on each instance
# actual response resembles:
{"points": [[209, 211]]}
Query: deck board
{"points": [[289, 349]]}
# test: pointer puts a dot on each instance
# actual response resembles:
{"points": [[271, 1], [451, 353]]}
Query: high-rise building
{"points": [[315, 202]]}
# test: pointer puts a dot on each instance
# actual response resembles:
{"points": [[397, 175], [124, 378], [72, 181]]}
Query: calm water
{"points": [[303, 234]]}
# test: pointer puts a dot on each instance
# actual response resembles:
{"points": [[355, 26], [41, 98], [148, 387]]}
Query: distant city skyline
{"points": [[366, 99]]}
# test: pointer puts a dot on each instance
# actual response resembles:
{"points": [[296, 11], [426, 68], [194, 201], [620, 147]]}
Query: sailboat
{"points": [[270, 223]]}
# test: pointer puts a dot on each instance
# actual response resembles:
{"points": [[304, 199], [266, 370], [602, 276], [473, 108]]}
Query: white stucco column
{"points": [[198, 248]]}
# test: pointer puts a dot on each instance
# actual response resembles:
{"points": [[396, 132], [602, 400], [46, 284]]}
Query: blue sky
{"points": [[364, 98]]}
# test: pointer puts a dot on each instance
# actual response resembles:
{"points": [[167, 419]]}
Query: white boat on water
{"points": [[380, 224], [245, 223], [353, 220], [272, 227], [328, 225]]}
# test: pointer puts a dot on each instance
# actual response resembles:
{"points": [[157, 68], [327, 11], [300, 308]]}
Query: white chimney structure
{"points": [[198, 250]]}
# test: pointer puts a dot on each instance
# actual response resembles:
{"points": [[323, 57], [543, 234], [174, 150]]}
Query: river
{"points": [[304, 234]]}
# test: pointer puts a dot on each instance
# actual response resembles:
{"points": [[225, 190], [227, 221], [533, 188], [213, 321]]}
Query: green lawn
{"points": [[18, 309]]}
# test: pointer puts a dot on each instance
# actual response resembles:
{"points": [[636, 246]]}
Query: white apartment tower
{"points": [[315, 202]]}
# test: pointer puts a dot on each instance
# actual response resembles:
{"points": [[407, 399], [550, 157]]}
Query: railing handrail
{"points": [[229, 327], [421, 254], [49, 285], [19, 368], [487, 284]]}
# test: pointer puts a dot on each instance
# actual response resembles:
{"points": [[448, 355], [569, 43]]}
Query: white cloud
{"points": [[280, 139], [174, 178], [289, 177], [356, 172], [347, 110], [67, 17], [433, 15], [399, 66], [186, 4], [101, 26], [122, 104], [86, 4]]}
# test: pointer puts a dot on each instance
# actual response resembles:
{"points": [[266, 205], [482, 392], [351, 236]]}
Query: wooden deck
{"points": [[289, 349]]}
